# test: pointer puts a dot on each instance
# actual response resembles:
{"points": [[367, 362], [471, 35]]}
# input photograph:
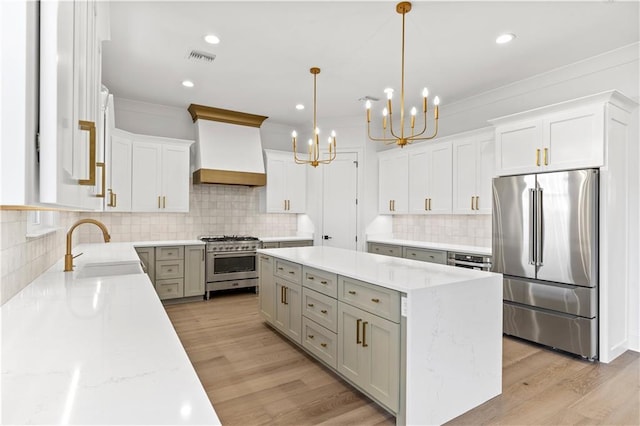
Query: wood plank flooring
{"points": [[253, 376]]}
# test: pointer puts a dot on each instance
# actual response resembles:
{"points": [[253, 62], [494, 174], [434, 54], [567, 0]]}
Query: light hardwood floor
{"points": [[254, 376]]}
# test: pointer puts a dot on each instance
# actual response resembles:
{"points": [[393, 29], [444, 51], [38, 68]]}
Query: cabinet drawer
{"points": [[304, 243], [319, 341], [269, 245], [168, 269], [170, 289], [169, 253], [425, 255], [372, 298], [324, 282], [289, 271], [320, 308], [386, 249]]}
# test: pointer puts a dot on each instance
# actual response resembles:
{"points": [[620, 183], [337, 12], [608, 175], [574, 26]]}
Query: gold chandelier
{"points": [[401, 139], [314, 144]]}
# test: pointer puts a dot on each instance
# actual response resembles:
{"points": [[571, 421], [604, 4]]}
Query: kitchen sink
{"points": [[106, 269]]}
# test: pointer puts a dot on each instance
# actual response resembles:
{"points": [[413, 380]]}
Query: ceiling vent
{"points": [[200, 56]]}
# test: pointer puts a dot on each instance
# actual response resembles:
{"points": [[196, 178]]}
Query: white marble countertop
{"points": [[96, 350], [278, 239], [404, 275], [435, 246]]}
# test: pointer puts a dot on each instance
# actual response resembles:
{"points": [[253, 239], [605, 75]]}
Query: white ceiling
{"points": [[262, 63]]}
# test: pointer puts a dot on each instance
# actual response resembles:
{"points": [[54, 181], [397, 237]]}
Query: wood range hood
{"points": [[228, 149]]}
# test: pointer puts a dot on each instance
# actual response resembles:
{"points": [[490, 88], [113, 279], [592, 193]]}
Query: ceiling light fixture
{"points": [[299, 107], [505, 38], [187, 83], [401, 139], [313, 149], [211, 39]]}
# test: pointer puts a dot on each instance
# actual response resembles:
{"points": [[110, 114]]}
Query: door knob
{"points": [[326, 237]]}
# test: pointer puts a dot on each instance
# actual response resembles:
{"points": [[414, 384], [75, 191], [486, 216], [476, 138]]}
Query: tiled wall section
{"points": [[471, 230], [214, 209], [23, 259]]}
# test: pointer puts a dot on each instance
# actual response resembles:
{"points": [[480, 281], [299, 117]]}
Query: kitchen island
{"points": [[422, 340], [90, 347]]}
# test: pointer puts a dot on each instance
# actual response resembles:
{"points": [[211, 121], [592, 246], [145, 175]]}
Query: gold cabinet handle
{"points": [[352, 292], [115, 199], [110, 203], [292, 272], [364, 334], [426, 204], [358, 341], [375, 300], [310, 336], [546, 153], [164, 202], [281, 294], [324, 345], [91, 127], [390, 208], [472, 203], [310, 278], [285, 204], [323, 282], [477, 202], [537, 157], [324, 311], [103, 176], [310, 305], [159, 201], [394, 205], [286, 302]]}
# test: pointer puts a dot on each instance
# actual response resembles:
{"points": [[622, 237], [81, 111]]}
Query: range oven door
{"points": [[231, 266]]}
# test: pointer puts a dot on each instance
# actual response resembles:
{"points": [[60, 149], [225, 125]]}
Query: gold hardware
{"points": [[285, 295], [546, 152], [390, 209], [115, 199], [429, 203], [292, 272], [364, 334], [401, 139], [324, 311], [310, 305], [352, 292], [310, 278], [537, 157], [158, 201], [310, 336], [323, 282], [281, 294], [375, 300], [201, 112], [324, 345], [68, 257], [426, 205], [358, 331], [280, 268], [394, 205], [472, 203], [477, 202], [91, 127], [102, 192], [110, 203], [285, 204], [313, 149], [164, 202]]}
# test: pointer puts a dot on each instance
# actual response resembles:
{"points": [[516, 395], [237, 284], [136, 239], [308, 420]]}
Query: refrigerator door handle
{"points": [[532, 226], [539, 227]]}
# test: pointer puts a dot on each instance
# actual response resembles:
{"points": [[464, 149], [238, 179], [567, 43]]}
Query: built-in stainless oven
{"points": [[230, 262], [470, 261]]}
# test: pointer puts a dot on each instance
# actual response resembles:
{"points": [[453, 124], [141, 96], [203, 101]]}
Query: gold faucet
{"points": [[68, 257]]}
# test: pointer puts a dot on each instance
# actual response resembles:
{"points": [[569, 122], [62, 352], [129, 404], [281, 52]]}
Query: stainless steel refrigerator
{"points": [[545, 243]]}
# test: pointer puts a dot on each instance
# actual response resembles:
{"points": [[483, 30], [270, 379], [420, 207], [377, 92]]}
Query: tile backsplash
{"points": [[23, 259], [471, 230], [214, 209]]}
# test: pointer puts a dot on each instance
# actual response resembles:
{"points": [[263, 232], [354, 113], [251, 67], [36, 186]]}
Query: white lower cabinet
{"points": [[369, 353], [288, 316]]}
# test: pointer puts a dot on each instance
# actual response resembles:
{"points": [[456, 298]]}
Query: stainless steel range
{"points": [[231, 262]]}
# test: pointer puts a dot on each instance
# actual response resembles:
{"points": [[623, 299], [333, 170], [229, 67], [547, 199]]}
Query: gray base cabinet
{"points": [[290, 243], [175, 271], [351, 326]]}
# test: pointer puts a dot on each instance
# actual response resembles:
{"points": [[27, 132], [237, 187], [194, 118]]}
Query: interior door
{"points": [[339, 211]]}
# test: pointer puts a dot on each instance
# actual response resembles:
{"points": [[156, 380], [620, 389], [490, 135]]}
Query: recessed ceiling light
{"points": [[187, 83], [505, 38], [211, 39], [299, 107]]}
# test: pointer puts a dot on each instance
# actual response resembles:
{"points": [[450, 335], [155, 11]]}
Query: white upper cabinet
{"points": [[70, 61], [160, 174], [564, 139], [393, 180], [473, 170], [285, 191], [430, 179]]}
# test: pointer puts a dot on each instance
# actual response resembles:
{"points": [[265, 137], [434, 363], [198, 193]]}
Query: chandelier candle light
{"points": [[402, 139], [314, 144]]}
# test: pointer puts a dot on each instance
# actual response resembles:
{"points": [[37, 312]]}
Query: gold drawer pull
{"points": [[324, 311], [352, 292], [310, 305], [310, 336], [324, 345], [358, 341], [413, 254], [375, 300], [280, 268], [323, 282], [537, 157], [292, 272], [103, 183], [169, 270], [310, 278], [90, 126], [364, 334]]}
